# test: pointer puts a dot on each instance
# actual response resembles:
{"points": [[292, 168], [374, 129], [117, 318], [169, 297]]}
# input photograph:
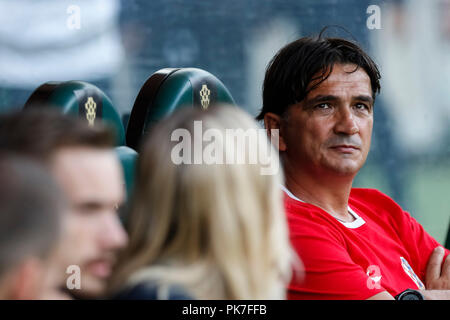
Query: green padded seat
{"points": [[80, 99], [170, 89], [128, 160]]}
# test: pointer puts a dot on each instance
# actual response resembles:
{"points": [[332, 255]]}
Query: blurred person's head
{"points": [[31, 209], [82, 161], [218, 230], [319, 93]]}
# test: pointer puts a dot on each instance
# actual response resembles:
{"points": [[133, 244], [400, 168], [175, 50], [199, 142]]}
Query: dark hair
{"points": [[39, 132], [31, 206], [305, 60]]}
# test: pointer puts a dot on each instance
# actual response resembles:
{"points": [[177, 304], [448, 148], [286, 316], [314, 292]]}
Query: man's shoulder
{"points": [[368, 195], [367, 192], [373, 203]]}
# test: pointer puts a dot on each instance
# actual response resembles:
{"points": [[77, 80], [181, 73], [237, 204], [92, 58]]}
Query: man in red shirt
{"points": [[354, 243]]}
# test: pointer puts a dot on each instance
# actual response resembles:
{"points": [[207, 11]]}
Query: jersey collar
{"points": [[351, 225]]}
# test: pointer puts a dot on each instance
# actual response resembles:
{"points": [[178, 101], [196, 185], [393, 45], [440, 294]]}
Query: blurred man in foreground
{"points": [[31, 211], [82, 161]]}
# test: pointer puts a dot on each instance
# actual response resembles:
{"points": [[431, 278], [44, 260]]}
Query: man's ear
{"points": [[272, 123]]}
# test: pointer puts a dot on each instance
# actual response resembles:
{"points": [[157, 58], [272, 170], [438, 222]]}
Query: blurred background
{"points": [[118, 44]]}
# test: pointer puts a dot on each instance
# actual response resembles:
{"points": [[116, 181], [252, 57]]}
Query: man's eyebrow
{"points": [[364, 98], [324, 98]]}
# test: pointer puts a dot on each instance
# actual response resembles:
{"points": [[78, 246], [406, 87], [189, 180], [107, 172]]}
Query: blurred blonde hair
{"points": [[218, 231]]}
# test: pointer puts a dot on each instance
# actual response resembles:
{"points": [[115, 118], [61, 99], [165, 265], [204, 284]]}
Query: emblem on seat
{"points": [[91, 110], [205, 94]]}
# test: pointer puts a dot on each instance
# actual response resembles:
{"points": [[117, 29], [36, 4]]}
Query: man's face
{"points": [[92, 181], [330, 130]]}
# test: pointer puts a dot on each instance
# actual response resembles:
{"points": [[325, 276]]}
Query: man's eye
{"points": [[362, 106], [323, 106]]}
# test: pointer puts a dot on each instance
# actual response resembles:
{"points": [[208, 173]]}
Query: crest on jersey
{"points": [[410, 272]]}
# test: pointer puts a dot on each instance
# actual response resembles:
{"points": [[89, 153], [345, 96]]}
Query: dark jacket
{"points": [[153, 291]]}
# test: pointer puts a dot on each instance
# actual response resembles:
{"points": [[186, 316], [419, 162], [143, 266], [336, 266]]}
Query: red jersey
{"points": [[384, 249]]}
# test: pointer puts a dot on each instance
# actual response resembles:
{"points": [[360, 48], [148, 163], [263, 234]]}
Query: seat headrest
{"points": [[80, 99], [170, 89]]}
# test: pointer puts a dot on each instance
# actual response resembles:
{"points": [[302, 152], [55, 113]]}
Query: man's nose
{"points": [[346, 122], [113, 234]]}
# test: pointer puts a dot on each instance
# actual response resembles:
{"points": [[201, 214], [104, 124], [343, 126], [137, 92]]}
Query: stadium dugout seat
{"points": [[87, 101], [128, 159], [170, 89], [81, 99]]}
